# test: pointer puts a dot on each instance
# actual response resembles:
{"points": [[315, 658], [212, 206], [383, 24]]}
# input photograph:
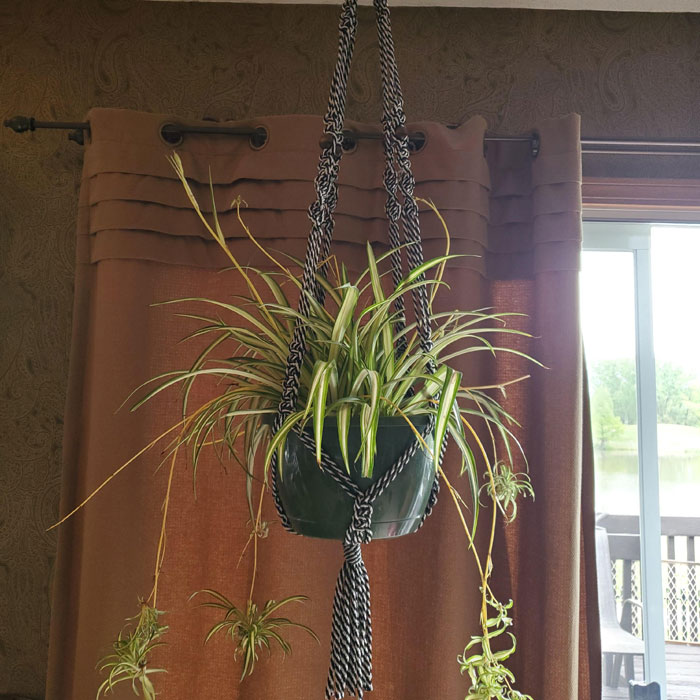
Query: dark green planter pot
{"points": [[318, 507]]}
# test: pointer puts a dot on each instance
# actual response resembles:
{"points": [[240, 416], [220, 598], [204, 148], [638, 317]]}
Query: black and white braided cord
{"points": [[397, 158], [319, 241], [350, 669], [391, 121]]}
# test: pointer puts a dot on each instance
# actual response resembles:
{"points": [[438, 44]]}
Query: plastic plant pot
{"points": [[318, 507]]}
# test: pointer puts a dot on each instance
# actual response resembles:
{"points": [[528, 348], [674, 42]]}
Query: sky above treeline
{"points": [[607, 300]]}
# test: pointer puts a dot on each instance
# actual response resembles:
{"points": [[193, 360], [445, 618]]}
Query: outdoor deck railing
{"points": [[680, 573]]}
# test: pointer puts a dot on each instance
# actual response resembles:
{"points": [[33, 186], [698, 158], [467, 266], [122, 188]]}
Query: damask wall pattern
{"points": [[628, 75]]}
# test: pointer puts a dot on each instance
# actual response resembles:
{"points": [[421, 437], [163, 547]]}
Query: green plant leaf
{"points": [[417, 272], [385, 329], [343, 319], [456, 430], [448, 396], [343, 421], [325, 373]]}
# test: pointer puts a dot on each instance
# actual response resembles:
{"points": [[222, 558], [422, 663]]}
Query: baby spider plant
{"points": [[129, 659], [252, 629]]}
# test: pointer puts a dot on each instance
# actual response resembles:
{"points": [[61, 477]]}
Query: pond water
{"points": [[617, 484]]}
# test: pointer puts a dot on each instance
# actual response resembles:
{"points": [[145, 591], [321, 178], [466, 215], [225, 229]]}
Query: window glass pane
{"points": [[607, 308], [675, 252], [608, 324], [607, 316], [675, 257]]}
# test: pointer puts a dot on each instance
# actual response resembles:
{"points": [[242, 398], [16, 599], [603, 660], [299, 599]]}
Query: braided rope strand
{"points": [[321, 211], [393, 206], [394, 118], [394, 112]]}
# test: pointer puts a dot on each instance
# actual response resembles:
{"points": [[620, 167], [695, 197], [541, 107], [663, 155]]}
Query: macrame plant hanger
{"points": [[350, 669]]}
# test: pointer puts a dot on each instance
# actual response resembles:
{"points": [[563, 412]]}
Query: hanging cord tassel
{"points": [[351, 636], [350, 669]]}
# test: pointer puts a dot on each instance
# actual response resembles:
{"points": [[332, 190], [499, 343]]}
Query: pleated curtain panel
{"points": [[517, 221]]}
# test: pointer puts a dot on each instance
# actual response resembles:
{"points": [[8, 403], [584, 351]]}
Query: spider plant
{"points": [[252, 629], [506, 488], [485, 666], [360, 361], [131, 650]]}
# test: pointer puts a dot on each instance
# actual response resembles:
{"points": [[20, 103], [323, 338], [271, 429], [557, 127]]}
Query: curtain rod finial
{"points": [[20, 124]]}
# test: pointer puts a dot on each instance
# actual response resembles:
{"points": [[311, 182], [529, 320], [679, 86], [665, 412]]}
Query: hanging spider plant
{"points": [[360, 362], [351, 368]]}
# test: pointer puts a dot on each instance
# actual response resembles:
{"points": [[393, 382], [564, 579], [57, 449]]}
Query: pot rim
{"points": [[419, 420]]}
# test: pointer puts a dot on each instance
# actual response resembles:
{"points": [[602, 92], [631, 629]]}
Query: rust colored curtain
{"points": [[516, 217]]}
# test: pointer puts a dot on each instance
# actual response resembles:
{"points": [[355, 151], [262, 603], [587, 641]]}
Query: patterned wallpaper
{"points": [[627, 74]]}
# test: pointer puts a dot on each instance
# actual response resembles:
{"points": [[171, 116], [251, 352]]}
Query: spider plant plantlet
{"points": [[128, 661], [252, 629]]}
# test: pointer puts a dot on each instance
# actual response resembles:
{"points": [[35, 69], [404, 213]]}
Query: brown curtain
{"points": [[518, 219]]}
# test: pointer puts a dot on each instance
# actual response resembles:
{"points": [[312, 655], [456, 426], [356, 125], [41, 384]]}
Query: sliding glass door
{"points": [[617, 318], [641, 326]]}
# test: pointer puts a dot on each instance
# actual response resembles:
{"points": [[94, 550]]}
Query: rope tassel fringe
{"points": [[351, 636]]}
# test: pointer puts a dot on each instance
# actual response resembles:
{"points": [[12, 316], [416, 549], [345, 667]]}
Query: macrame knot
{"points": [[360, 530]]}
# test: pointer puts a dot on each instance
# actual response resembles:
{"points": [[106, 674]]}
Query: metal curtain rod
{"points": [[174, 133]]}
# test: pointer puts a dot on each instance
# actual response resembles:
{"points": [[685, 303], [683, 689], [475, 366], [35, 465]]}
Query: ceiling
{"points": [[611, 5]]}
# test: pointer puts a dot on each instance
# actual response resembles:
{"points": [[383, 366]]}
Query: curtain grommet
{"points": [[259, 138], [416, 142], [328, 143], [170, 133], [416, 139], [349, 142]]}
